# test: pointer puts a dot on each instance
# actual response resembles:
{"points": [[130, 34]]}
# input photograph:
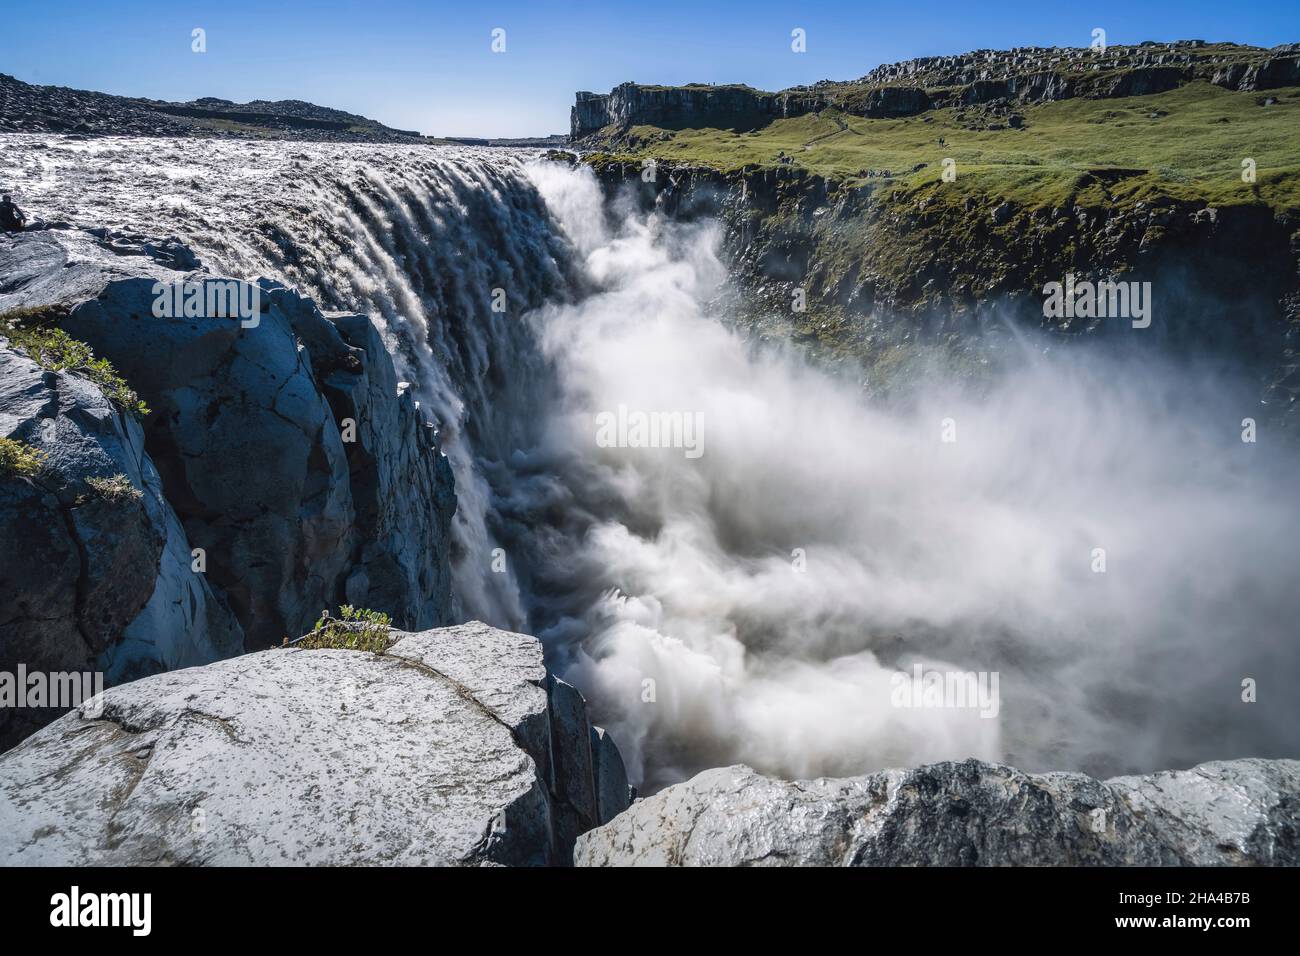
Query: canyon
{"points": [[601, 651]]}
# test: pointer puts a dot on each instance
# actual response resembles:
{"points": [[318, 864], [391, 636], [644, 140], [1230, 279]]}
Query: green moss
{"points": [[19, 459], [34, 331], [359, 629]]}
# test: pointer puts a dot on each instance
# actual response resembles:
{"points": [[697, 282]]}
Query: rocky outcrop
{"points": [[1040, 74], [282, 469], [453, 747], [680, 107], [590, 113], [1023, 75], [1228, 813], [1270, 74], [889, 102], [96, 569], [285, 445]]}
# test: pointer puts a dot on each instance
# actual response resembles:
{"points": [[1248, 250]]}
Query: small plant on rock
{"points": [[19, 459], [359, 629], [117, 488], [33, 332]]}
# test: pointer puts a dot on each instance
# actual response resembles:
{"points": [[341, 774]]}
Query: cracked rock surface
{"points": [[1235, 812], [440, 751]]}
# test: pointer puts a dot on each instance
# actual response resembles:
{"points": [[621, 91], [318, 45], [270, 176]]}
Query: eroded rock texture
{"points": [[1236, 812]]}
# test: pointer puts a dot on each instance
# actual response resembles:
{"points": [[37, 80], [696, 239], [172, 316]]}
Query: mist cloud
{"points": [[971, 555]]}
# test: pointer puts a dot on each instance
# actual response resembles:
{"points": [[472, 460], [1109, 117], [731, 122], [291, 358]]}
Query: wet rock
{"points": [[612, 790]]}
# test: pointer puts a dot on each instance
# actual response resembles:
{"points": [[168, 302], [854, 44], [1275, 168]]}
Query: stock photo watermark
{"points": [[1108, 299], [631, 428], [927, 689], [65, 690], [209, 299]]}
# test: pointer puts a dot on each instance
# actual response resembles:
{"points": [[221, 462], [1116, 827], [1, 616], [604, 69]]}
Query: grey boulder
{"points": [[440, 751]]}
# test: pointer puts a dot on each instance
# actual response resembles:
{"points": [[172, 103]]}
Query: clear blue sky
{"points": [[428, 65]]}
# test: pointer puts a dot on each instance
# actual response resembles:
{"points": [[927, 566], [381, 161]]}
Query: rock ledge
{"points": [[1225, 813]]}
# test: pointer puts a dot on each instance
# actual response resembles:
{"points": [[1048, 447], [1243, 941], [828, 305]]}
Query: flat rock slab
{"points": [[1239, 812], [281, 757]]}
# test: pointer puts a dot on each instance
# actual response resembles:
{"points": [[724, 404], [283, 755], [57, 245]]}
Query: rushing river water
{"points": [[750, 590]]}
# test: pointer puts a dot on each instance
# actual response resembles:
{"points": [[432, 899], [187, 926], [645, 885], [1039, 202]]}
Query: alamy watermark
{"points": [[210, 298], [62, 689], [932, 689], [133, 911], [638, 429], [1108, 299]]}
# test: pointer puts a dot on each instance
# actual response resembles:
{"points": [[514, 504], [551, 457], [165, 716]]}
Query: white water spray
{"points": [[754, 604]]}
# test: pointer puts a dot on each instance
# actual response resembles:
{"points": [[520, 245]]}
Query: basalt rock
{"points": [[1226, 813], [445, 749], [285, 445], [680, 107], [1024, 75], [95, 572]]}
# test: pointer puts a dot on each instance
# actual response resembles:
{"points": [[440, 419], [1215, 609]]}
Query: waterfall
{"points": [[758, 602], [446, 249]]}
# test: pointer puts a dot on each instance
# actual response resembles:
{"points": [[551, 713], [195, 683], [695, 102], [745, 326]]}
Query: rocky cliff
{"points": [[913, 210], [885, 274], [453, 747], [1229, 813], [1023, 75], [280, 467], [734, 106]]}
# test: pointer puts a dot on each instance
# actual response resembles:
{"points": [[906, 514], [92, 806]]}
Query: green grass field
{"points": [[1188, 143]]}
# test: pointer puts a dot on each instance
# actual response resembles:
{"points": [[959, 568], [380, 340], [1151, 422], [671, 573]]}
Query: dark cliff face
{"points": [[590, 113], [280, 469], [681, 107]]}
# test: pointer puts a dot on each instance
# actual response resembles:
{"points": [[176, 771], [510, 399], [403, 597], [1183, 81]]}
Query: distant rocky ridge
{"points": [[243, 456], [27, 108], [1023, 75], [453, 747], [1225, 813], [518, 142]]}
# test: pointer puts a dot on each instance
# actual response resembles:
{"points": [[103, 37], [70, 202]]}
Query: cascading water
{"points": [[420, 238], [753, 603]]}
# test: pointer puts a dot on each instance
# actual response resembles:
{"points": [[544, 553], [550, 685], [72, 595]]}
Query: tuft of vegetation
{"points": [[117, 488], [34, 332], [19, 459], [359, 629]]}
